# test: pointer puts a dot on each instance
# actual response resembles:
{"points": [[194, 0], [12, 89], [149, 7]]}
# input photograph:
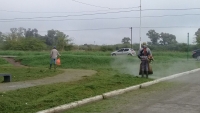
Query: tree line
{"points": [[30, 39], [166, 42]]}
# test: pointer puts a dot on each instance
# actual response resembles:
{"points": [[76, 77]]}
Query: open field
{"points": [[112, 73]]}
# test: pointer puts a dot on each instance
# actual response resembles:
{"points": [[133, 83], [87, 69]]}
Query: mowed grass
{"points": [[112, 73], [43, 97], [4, 62], [27, 73]]}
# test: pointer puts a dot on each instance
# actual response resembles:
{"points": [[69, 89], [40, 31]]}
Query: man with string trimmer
{"points": [[145, 56]]}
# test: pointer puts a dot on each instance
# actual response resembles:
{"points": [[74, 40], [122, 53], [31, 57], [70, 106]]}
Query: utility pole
{"points": [[131, 39], [188, 46], [140, 23]]}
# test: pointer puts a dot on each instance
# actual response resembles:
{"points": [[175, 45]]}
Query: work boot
{"points": [[142, 74], [50, 66], [147, 74], [54, 67]]}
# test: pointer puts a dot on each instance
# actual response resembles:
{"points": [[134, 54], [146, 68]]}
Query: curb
{"points": [[71, 105], [119, 91], [64, 107]]}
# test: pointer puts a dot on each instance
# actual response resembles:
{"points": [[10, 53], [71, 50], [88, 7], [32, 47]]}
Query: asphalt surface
{"points": [[180, 95]]}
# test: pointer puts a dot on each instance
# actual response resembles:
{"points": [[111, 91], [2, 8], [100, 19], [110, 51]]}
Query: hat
{"points": [[144, 44], [54, 47]]}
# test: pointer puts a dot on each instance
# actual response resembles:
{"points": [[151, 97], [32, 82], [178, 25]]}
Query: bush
{"points": [[25, 44]]}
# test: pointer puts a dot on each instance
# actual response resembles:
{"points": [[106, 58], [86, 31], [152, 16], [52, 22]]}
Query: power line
{"points": [[170, 15], [148, 27], [105, 10], [171, 9], [6, 20], [95, 14], [173, 27], [70, 15], [92, 29], [112, 28], [156, 16], [101, 6], [10, 11], [91, 5], [72, 19]]}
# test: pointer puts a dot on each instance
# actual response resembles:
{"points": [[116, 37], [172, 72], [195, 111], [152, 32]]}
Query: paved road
{"points": [[180, 95]]}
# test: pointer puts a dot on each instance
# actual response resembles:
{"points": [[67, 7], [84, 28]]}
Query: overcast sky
{"points": [[85, 21]]}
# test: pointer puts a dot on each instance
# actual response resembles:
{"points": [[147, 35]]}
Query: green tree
{"points": [[31, 33], [1, 40], [1, 37], [197, 33], [32, 43], [126, 40], [25, 44], [50, 37], [17, 33], [62, 40], [167, 39], [57, 38], [153, 36]]}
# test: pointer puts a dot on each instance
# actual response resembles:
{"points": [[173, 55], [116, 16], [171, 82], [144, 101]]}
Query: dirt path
{"points": [[68, 76], [12, 61]]}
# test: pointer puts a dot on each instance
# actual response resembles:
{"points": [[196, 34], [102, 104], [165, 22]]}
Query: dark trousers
{"points": [[144, 65]]}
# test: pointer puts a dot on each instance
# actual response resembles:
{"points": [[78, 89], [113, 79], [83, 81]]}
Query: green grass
{"points": [[68, 61], [4, 62], [28, 73], [96, 53], [27, 53], [172, 54], [112, 73], [108, 105], [43, 97], [176, 65], [22, 53]]}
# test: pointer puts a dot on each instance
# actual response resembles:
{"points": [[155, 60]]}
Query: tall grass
{"points": [[172, 54], [68, 61], [95, 53], [74, 61], [22, 53]]}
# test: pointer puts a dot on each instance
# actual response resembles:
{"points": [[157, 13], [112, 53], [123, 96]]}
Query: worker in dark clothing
{"points": [[145, 55]]}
